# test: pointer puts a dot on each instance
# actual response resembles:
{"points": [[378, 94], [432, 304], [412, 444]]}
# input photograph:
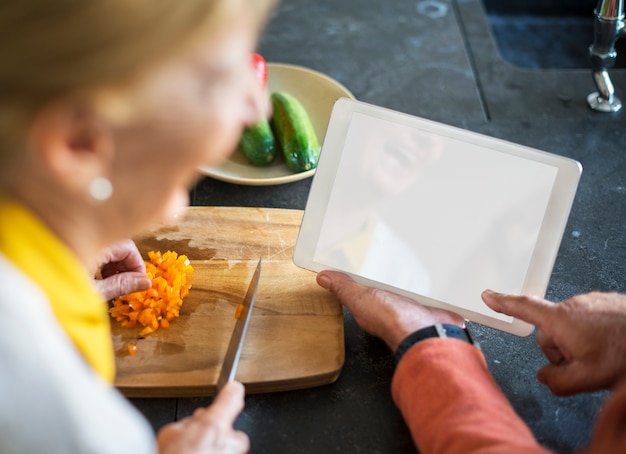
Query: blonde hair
{"points": [[51, 50]]}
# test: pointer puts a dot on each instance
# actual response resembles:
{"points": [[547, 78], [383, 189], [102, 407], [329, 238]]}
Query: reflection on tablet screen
{"points": [[431, 214]]}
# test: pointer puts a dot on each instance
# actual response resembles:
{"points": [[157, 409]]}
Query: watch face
{"points": [[452, 331]]}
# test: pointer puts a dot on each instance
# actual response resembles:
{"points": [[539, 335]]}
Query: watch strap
{"points": [[438, 330]]}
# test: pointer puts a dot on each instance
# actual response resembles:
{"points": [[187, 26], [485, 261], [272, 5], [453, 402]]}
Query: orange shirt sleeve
{"points": [[452, 404]]}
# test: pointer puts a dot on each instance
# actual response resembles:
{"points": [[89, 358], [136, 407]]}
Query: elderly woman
{"points": [[107, 108]]}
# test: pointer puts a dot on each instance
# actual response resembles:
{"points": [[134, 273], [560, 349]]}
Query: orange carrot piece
{"points": [[239, 311], [156, 307]]}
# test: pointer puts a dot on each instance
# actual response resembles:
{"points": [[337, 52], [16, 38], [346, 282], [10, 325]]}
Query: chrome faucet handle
{"points": [[609, 26]]}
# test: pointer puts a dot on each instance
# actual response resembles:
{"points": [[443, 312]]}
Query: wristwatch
{"points": [[438, 330]]}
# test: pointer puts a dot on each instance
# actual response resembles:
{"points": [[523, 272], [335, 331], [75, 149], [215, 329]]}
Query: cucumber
{"points": [[294, 132], [258, 144]]}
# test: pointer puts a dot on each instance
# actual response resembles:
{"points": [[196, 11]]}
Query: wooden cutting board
{"points": [[295, 337]]}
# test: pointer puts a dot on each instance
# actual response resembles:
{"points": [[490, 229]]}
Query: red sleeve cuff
{"points": [[452, 404]]}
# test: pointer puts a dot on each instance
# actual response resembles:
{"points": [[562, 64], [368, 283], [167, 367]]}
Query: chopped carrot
{"points": [[132, 349], [238, 311], [156, 307]]}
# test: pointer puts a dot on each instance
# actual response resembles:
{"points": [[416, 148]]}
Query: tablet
{"points": [[435, 212]]}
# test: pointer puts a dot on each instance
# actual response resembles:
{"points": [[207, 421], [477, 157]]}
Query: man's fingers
{"points": [[342, 286], [553, 354], [549, 347], [332, 280], [530, 309], [565, 379]]}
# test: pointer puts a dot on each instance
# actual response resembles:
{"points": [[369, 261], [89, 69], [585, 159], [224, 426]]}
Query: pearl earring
{"points": [[100, 189]]}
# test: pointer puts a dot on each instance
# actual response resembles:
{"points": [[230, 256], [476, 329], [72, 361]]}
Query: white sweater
{"points": [[50, 399]]}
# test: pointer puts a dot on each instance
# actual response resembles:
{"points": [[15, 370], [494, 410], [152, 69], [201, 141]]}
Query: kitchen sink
{"points": [[544, 34]]}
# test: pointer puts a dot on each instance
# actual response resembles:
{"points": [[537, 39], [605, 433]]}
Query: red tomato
{"points": [[260, 69]]}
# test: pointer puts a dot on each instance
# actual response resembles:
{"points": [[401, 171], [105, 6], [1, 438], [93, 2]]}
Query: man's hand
{"points": [[384, 314], [584, 338]]}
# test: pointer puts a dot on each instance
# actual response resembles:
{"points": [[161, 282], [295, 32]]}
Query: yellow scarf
{"points": [[77, 305]]}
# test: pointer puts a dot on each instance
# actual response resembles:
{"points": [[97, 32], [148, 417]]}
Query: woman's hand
{"points": [[584, 338], [122, 270], [208, 430], [384, 314]]}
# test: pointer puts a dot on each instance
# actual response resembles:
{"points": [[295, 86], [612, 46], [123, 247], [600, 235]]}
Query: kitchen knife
{"points": [[231, 360]]}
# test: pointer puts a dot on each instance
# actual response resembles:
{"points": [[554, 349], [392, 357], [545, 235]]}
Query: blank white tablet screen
{"points": [[433, 215]]}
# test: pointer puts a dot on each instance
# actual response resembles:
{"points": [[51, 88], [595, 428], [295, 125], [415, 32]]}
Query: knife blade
{"points": [[233, 352]]}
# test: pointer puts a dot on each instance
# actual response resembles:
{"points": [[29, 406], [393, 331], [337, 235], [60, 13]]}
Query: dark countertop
{"points": [[438, 60]]}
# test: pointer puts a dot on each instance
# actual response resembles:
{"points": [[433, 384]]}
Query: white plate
{"points": [[317, 93]]}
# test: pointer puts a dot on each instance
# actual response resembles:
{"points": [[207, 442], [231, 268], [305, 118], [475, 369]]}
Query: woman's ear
{"points": [[72, 143]]}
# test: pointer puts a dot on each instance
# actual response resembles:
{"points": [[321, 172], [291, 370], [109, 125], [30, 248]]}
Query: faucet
{"points": [[609, 26]]}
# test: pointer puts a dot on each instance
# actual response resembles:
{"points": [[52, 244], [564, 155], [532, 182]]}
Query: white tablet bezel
{"points": [[543, 255]]}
